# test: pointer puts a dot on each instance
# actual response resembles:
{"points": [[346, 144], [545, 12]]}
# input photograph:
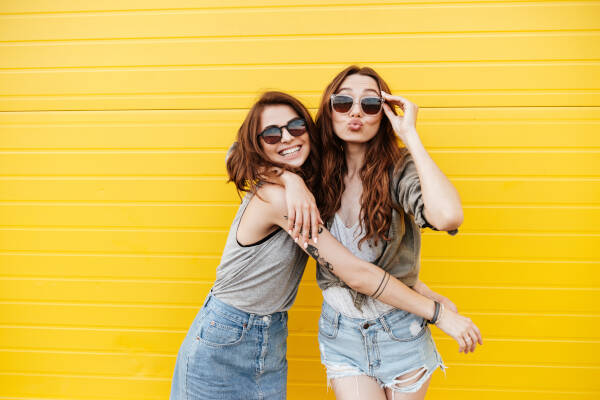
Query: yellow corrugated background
{"points": [[115, 118]]}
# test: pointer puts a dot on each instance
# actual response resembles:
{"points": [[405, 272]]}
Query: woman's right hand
{"points": [[303, 215], [461, 329]]}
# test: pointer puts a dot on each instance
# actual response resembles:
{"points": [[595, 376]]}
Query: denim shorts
{"points": [[231, 354], [384, 348]]}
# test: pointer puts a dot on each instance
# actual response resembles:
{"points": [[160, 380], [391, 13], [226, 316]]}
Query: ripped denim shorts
{"points": [[384, 348]]}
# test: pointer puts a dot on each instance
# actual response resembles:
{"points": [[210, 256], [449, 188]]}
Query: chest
{"points": [[350, 206]]}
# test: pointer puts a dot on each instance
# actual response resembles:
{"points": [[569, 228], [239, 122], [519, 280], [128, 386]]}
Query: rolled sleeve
{"points": [[410, 196]]}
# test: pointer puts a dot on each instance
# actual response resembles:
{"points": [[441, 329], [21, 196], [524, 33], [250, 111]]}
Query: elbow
{"points": [[356, 279], [451, 221]]}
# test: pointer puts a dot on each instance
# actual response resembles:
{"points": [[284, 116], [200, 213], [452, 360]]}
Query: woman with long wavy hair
{"points": [[375, 197], [236, 346]]}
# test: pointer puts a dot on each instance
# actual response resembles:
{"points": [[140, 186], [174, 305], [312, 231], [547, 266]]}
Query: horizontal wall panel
{"points": [[467, 299], [434, 272], [77, 386], [306, 50], [528, 128], [435, 393], [194, 216], [512, 326], [497, 190], [470, 245], [122, 343], [323, 21], [485, 376], [193, 101], [113, 388], [94, 340], [212, 163], [161, 366], [488, 84], [219, 217], [59, 6], [190, 267], [252, 79]]}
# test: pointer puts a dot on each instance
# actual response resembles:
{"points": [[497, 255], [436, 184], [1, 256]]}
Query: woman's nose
{"points": [[355, 111], [285, 135]]}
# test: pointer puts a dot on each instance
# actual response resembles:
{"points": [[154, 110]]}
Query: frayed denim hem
{"points": [[395, 385], [335, 371]]}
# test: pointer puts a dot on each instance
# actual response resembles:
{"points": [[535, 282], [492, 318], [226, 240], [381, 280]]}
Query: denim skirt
{"points": [[383, 348], [231, 354]]}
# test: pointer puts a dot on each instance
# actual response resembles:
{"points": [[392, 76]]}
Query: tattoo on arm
{"points": [[314, 252]]}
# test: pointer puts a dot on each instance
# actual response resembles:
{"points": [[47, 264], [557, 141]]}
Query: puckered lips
{"points": [[355, 124]]}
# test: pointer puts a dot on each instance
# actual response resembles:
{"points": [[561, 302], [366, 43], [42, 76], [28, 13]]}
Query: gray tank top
{"points": [[261, 278]]}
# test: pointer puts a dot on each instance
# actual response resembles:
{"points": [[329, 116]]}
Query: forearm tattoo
{"points": [[314, 252]]}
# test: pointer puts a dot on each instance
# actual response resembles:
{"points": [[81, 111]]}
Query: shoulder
{"points": [[272, 197]]}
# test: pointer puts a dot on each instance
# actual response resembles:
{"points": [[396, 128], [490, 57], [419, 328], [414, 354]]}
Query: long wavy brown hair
{"points": [[247, 162], [382, 154]]}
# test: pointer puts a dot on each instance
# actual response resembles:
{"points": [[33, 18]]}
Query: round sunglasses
{"points": [[272, 134], [370, 105]]}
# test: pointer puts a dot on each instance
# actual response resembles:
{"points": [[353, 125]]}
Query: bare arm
{"points": [[303, 213], [443, 208], [369, 279]]}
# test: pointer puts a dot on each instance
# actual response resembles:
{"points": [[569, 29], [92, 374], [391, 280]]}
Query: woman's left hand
{"points": [[447, 303], [402, 125]]}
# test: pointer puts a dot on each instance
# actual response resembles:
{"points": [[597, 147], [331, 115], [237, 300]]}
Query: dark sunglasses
{"points": [[272, 134], [370, 105]]}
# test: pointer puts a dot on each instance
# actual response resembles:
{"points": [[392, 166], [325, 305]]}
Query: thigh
{"points": [[418, 395], [358, 387]]}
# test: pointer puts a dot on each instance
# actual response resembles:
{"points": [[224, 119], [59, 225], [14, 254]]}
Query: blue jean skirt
{"points": [[384, 348], [231, 354]]}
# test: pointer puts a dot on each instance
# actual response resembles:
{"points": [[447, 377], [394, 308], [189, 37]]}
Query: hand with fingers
{"points": [[303, 215], [402, 125], [461, 329]]}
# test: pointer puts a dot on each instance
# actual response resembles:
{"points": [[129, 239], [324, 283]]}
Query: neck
{"points": [[355, 157]]}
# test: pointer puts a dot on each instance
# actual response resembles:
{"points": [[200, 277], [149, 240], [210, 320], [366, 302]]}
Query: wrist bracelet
{"points": [[440, 316], [436, 313]]}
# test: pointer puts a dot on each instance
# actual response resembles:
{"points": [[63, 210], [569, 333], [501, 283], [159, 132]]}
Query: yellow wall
{"points": [[115, 118]]}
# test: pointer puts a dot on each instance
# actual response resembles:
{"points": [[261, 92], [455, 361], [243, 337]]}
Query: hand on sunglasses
{"points": [[405, 124]]}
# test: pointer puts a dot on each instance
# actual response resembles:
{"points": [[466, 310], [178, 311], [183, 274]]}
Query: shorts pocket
{"points": [[403, 326], [217, 330], [328, 324]]}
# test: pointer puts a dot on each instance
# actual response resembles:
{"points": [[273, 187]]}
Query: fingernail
{"points": [[290, 232], [305, 245], [315, 240], [296, 240]]}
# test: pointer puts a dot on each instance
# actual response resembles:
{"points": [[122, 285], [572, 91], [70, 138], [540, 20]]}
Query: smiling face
{"points": [[355, 126], [291, 150]]}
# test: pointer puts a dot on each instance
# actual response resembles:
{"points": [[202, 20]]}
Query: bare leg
{"points": [[408, 379], [357, 387]]}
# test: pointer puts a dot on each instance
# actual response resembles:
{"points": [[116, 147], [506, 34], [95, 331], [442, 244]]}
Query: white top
{"points": [[340, 298]]}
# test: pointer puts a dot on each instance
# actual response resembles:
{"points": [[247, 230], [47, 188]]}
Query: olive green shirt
{"points": [[401, 255]]}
